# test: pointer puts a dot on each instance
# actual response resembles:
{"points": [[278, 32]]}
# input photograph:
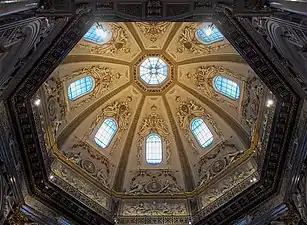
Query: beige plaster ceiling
{"points": [[186, 168]]}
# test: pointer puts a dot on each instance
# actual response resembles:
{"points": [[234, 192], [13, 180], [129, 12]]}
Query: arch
{"points": [[80, 87], [154, 149], [98, 34], [227, 87], [106, 132], [201, 132], [209, 34]]}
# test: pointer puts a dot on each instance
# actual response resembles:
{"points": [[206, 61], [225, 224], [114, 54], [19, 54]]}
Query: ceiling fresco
{"points": [[208, 176]]}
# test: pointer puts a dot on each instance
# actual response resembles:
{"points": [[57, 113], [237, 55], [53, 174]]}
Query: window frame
{"points": [[141, 76], [162, 155], [200, 39], [83, 94], [111, 139], [222, 93], [196, 138]]}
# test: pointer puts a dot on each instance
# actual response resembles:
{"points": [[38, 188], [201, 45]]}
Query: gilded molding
{"points": [[153, 30]]}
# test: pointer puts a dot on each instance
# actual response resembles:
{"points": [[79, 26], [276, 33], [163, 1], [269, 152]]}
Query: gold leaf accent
{"points": [[153, 30]]}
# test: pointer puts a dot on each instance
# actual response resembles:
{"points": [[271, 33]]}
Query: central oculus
{"points": [[153, 71]]}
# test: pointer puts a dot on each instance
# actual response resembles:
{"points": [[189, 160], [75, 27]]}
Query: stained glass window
{"points": [[80, 87], [98, 35], [154, 149], [209, 34], [201, 132], [153, 70], [106, 132], [227, 87]]}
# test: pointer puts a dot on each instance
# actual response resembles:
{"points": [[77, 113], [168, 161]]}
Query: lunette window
{"points": [[154, 149], [80, 87], [98, 34], [106, 132], [209, 34], [227, 87], [201, 132]]}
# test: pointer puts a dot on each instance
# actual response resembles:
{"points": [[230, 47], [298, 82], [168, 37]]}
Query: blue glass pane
{"points": [[227, 87], [98, 35], [106, 132], [154, 149], [153, 70], [209, 34], [80, 87], [201, 132]]}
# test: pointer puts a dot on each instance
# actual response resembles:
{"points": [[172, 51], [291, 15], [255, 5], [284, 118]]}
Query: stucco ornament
{"points": [[153, 182], [153, 208], [153, 123], [187, 111], [119, 42], [189, 43], [153, 30]]}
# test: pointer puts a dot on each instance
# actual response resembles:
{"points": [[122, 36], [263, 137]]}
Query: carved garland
{"points": [[188, 42], [153, 123], [119, 42], [187, 111]]}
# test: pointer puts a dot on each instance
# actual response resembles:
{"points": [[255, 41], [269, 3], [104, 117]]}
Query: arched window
{"points": [[80, 87], [106, 132], [154, 149], [98, 34], [227, 87], [201, 132], [209, 34]]}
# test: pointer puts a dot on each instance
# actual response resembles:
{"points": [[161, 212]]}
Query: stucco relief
{"points": [[78, 156], [203, 79], [153, 123], [103, 77], [187, 111], [76, 182], [153, 30], [252, 101], [153, 182], [56, 106], [225, 185], [217, 161], [188, 42], [120, 110], [154, 208], [119, 43]]}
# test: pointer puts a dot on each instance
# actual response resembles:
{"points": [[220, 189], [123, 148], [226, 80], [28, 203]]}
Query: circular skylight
{"points": [[153, 71]]}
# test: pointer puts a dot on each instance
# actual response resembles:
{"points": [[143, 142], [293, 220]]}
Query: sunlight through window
{"points": [[201, 132], [106, 132], [209, 34], [80, 87], [153, 71], [154, 149], [227, 87]]}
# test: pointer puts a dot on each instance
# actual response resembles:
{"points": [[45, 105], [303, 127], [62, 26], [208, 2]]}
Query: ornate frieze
{"points": [[77, 155], [153, 123], [153, 30], [154, 208], [118, 44], [153, 182], [189, 43], [74, 184], [187, 111], [216, 161]]}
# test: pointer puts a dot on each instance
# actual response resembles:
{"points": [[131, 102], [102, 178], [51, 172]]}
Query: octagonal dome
{"points": [[192, 130]]}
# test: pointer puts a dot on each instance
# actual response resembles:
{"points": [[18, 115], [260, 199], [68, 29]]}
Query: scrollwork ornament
{"points": [[188, 42], [153, 30], [156, 124], [187, 111], [119, 42]]}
